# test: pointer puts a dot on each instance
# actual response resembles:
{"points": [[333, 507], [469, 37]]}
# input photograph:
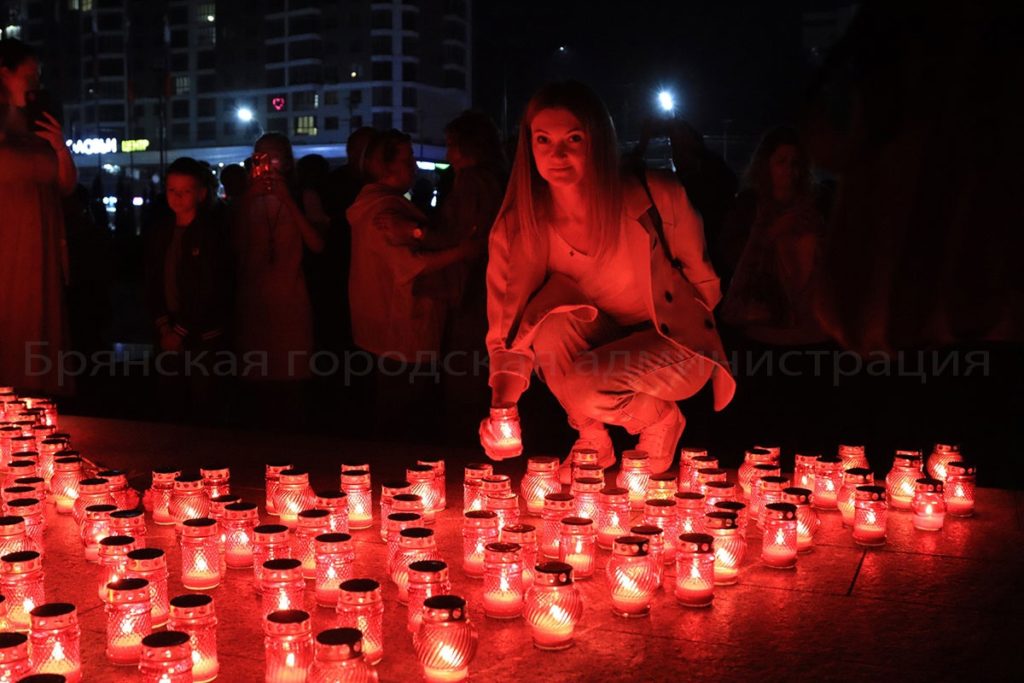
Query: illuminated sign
{"points": [[93, 146], [134, 145], [277, 103]]}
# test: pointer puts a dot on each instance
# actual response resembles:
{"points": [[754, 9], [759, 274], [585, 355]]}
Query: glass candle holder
{"points": [[705, 475], [404, 502], [541, 478], [335, 556], [581, 456], [128, 620], [557, 506], [48, 448], [778, 545], [495, 483], [31, 512], [427, 578], [634, 475], [852, 478], [757, 472], [690, 509], [13, 538], [117, 484], [95, 527], [421, 480], [929, 505], [216, 480], [397, 522], [552, 606], [901, 481], [853, 457], [503, 581], [361, 606], [505, 505], [218, 503], [687, 468], [272, 474], [959, 490], [774, 451], [769, 490], [160, 492], [13, 492], [91, 491], [718, 491], [293, 495], [869, 516], [803, 470], [200, 554], [67, 473], [942, 454], [508, 436], [14, 660], [339, 657], [662, 514], [335, 503], [446, 641], [356, 485], [166, 657], [355, 465], [754, 456], [695, 570], [577, 545], [288, 646], [24, 464], [586, 491], [113, 560], [655, 538], [828, 479], [194, 614], [613, 509], [472, 485], [525, 536], [188, 499], [479, 527], [310, 524], [661, 486], [728, 545], [414, 544], [129, 523], [55, 646], [238, 527], [151, 564], [37, 484], [270, 542], [807, 521], [388, 491], [738, 509], [589, 471], [440, 485], [632, 578], [283, 585]]}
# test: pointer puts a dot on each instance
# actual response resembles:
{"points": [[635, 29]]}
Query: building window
{"points": [[382, 97], [307, 23], [409, 72], [305, 125], [207, 84], [306, 49], [179, 109], [206, 106], [111, 112], [179, 132], [275, 78], [410, 21], [454, 54], [275, 53], [303, 75], [330, 98], [356, 122], [305, 100], [182, 85], [207, 59], [330, 123], [409, 123], [355, 98], [278, 124], [228, 128], [381, 18], [179, 38], [206, 131], [381, 71], [411, 46], [382, 120], [454, 79], [206, 12], [380, 45], [409, 97], [206, 36], [179, 62]]}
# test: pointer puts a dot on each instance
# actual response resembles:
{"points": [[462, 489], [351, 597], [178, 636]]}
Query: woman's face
{"points": [[560, 146], [19, 81], [784, 164]]}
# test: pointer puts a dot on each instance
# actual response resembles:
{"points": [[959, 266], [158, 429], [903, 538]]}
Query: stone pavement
{"points": [[925, 607]]}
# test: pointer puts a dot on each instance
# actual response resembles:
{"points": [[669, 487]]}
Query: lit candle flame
{"points": [[126, 627], [780, 538], [283, 602], [958, 492], [694, 571], [58, 651], [28, 605], [626, 583], [928, 509], [331, 574], [869, 517], [201, 565], [558, 614], [907, 488], [724, 557], [449, 654], [503, 584], [195, 658], [289, 660]]}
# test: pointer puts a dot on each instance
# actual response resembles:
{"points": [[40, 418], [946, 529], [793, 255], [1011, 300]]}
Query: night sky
{"points": [[737, 60]]}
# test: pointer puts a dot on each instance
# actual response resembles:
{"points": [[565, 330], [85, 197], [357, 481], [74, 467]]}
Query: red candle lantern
{"points": [[586, 492], [655, 538], [631, 577], [421, 480], [508, 437], [774, 451], [738, 509], [272, 474], [662, 514], [14, 662], [356, 485], [293, 495], [634, 474], [479, 527], [803, 471], [194, 614], [49, 446], [589, 471], [160, 492], [525, 536], [728, 545], [828, 478], [581, 456], [706, 475], [440, 485], [361, 606], [36, 486], [311, 523], [151, 564], [216, 480], [282, 585], [397, 522], [117, 485], [113, 560], [929, 505], [23, 464], [853, 477], [754, 500], [55, 641], [188, 499], [495, 483], [807, 521], [505, 505], [13, 538], [339, 657], [940, 457], [288, 646], [31, 512], [541, 478], [238, 528], [553, 606], [218, 503], [404, 502], [718, 491], [869, 516], [577, 545], [853, 457], [778, 545], [690, 508], [200, 554], [414, 544], [95, 527], [67, 473], [166, 658], [129, 523], [687, 468], [427, 578], [334, 559], [472, 485], [960, 488], [557, 506], [388, 491], [901, 481], [752, 457], [128, 620], [92, 491], [661, 486], [270, 542], [503, 581], [446, 641], [613, 508], [336, 505], [695, 570], [769, 490]]}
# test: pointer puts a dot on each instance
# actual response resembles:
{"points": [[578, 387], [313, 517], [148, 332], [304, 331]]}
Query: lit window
{"points": [[86, 5], [206, 12], [305, 125], [182, 85]]}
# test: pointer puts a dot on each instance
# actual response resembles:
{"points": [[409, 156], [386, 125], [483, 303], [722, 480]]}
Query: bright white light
{"points": [[354, 74], [137, 201], [244, 114], [210, 18], [561, 48], [666, 101], [426, 165]]}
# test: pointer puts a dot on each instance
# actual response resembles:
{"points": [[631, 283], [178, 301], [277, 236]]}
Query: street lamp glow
{"points": [[666, 101], [244, 114]]}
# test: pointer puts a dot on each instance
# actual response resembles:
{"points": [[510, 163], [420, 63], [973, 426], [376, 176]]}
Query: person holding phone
{"points": [[36, 171]]}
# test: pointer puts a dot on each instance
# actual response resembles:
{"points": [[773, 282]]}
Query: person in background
{"points": [[235, 179], [36, 171]]}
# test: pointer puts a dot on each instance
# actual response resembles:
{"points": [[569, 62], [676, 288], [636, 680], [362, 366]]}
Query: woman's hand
{"points": [[501, 439], [50, 130]]}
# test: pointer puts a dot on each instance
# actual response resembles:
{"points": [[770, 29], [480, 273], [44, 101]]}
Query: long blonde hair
{"points": [[528, 192]]}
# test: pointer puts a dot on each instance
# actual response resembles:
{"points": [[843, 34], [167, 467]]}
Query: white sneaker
{"points": [[660, 438], [594, 435]]}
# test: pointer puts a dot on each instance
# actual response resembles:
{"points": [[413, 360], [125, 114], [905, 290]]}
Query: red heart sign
{"points": [[278, 103]]}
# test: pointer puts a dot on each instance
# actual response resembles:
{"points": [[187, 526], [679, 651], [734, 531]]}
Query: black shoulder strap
{"points": [[659, 227]]}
